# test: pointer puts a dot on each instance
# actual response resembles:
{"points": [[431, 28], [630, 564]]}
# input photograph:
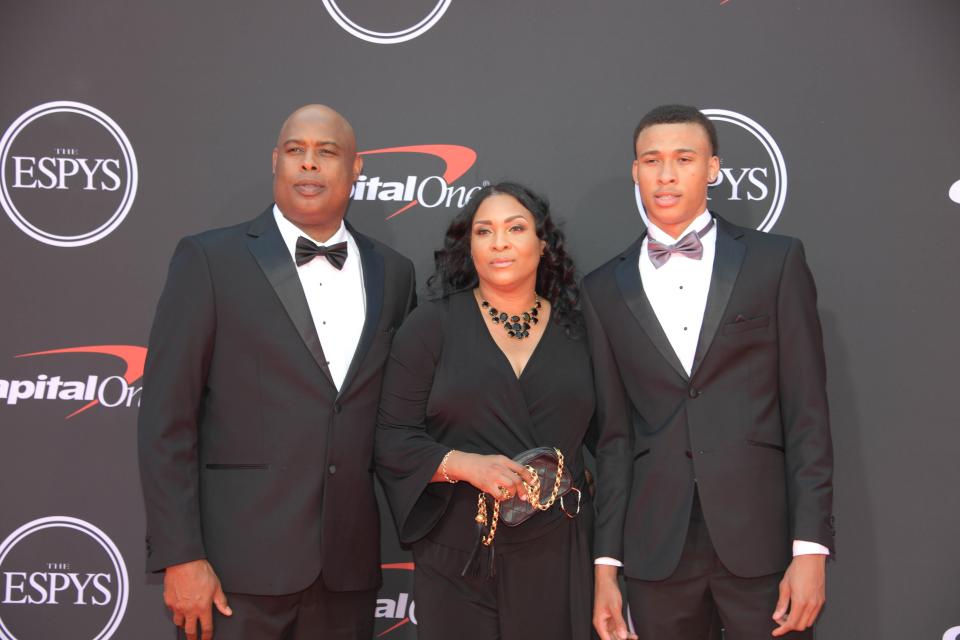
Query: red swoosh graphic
{"points": [[457, 160], [133, 356], [406, 566], [399, 624]]}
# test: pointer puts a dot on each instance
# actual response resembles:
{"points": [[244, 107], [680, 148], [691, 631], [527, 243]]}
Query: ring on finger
{"points": [[504, 492]]}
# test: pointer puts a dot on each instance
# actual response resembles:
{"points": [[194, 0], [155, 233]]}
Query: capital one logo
{"points": [[402, 190], [112, 386], [419, 26], [68, 174], [61, 577], [395, 607], [751, 188]]}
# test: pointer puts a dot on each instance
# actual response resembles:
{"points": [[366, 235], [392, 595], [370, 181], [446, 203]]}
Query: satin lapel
{"points": [[726, 267], [266, 245], [627, 274], [373, 288], [513, 410]]}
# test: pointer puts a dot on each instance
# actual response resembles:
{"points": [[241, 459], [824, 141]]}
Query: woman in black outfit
{"points": [[461, 397]]}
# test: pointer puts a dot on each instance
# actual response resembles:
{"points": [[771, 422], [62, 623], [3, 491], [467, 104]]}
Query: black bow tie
{"points": [[307, 250]]}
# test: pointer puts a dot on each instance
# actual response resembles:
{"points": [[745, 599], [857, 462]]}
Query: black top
{"points": [[447, 386]]}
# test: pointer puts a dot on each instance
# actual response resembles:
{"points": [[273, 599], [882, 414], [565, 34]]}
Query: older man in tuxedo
{"points": [[261, 391], [714, 455]]}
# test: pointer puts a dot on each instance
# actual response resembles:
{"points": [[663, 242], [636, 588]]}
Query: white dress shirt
{"points": [[677, 291], [335, 297]]}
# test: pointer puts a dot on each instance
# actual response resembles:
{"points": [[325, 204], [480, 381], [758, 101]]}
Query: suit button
{"points": [[693, 392], [332, 469], [337, 408]]}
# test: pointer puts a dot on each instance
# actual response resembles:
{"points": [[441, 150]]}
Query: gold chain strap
{"points": [[533, 497], [482, 518], [533, 489]]}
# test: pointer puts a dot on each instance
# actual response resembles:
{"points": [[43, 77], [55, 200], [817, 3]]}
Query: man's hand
{"points": [[803, 589], [608, 605], [189, 590]]}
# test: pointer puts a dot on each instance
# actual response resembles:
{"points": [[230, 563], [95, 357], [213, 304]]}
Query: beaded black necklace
{"points": [[516, 326]]}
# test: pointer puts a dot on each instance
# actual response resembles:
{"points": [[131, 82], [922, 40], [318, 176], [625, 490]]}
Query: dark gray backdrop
{"points": [[860, 96]]}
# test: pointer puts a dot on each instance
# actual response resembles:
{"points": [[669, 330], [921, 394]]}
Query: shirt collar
{"points": [[663, 237], [290, 232]]}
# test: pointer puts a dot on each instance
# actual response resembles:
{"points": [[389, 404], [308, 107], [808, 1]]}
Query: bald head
{"points": [[322, 115], [315, 164]]}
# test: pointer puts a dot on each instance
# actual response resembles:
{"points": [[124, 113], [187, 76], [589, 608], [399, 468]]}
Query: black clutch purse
{"points": [[553, 481], [551, 478]]}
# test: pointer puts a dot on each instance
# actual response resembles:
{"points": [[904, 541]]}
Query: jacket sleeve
{"points": [[803, 403], [614, 445], [178, 358]]}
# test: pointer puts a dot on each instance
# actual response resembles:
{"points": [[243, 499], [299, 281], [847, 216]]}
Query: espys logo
{"points": [[954, 192], [61, 577], [393, 613], [68, 174], [421, 24], [752, 185], [116, 390], [411, 190]]}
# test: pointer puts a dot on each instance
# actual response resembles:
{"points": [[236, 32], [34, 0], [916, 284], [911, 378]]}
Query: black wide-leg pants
{"points": [[542, 588]]}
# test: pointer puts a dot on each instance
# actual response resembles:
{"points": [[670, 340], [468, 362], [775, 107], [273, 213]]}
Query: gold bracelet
{"points": [[443, 467]]}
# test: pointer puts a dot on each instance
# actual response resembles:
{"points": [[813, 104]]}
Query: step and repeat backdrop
{"points": [[128, 125]]}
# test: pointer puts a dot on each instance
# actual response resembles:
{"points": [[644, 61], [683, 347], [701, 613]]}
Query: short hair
{"points": [[677, 114]]}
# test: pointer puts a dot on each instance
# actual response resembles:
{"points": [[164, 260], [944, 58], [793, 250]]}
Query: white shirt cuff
{"points": [[803, 547], [609, 561]]}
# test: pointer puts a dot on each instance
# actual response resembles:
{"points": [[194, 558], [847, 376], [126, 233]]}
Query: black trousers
{"points": [[542, 589], [685, 605], [314, 613]]}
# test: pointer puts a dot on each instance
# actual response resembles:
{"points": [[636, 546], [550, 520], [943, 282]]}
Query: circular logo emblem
{"points": [[752, 185], [386, 37], [61, 577], [68, 174], [954, 192]]}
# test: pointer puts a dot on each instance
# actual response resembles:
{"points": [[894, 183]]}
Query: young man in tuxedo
{"points": [[714, 454], [262, 383]]}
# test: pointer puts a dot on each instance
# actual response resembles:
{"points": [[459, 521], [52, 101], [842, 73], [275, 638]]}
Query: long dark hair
{"points": [[556, 276]]}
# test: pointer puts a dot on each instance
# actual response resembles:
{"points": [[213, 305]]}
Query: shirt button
{"points": [[681, 286], [332, 469], [684, 328]]}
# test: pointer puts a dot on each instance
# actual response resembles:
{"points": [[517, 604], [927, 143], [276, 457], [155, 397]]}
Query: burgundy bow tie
{"points": [[307, 250], [689, 245]]}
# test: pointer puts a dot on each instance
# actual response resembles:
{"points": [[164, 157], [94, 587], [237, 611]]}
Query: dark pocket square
{"points": [[745, 324]]}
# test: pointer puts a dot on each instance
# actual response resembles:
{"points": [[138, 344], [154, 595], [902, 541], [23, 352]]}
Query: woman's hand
{"points": [[496, 475]]}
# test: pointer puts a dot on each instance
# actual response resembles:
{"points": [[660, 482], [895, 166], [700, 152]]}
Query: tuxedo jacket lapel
{"points": [[727, 260], [373, 287], [266, 245], [631, 286]]}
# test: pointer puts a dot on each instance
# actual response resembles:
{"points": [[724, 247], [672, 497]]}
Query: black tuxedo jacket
{"points": [[249, 456], [749, 427]]}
